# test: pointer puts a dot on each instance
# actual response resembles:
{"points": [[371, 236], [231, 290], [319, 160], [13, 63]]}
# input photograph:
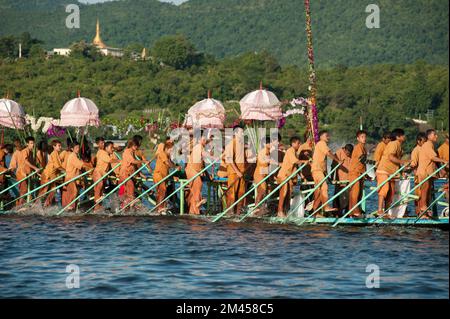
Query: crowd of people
{"points": [[109, 166]]}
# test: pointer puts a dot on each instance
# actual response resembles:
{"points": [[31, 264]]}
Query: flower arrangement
{"points": [[55, 131]]}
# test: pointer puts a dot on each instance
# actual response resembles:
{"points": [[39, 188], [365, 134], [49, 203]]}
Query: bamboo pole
{"points": [[116, 188], [337, 195], [245, 195], [17, 183], [36, 189], [62, 185], [274, 191], [431, 205], [147, 191], [398, 202], [370, 194], [183, 184], [313, 191], [88, 189]]}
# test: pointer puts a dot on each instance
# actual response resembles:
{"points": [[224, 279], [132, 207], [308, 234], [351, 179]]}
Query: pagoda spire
{"points": [[98, 40]]}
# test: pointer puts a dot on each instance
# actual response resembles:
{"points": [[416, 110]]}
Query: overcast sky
{"points": [[94, 1]]}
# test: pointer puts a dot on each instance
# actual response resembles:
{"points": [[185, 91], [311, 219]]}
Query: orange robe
{"points": [[357, 168], [51, 171], [193, 167], [235, 153], [41, 159], [23, 170], [414, 164], [73, 169], [288, 167], [319, 170], [2, 166], [161, 171], [342, 172], [103, 160], [64, 156], [379, 150], [425, 169], [386, 168], [127, 168]]}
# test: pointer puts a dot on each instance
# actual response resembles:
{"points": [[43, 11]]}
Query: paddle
{"points": [[147, 191], [274, 191], [313, 190], [370, 194], [335, 196], [243, 196], [183, 184], [36, 189], [89, 188], [116, 188], [17, 183], [396, 203]]}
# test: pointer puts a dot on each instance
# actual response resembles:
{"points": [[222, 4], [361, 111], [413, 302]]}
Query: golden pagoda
{"points": [[98, 40]]}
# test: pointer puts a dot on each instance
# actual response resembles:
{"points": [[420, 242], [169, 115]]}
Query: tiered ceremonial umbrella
{"points": [[79, 112], [12, 114], [261, 105], [208, 113]]}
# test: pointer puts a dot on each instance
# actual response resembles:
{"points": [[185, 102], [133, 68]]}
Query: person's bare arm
{"points": [[333, 157], [395, 160]]}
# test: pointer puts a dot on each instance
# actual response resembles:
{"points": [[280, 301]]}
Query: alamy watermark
{"points": [[73, 279], [373, 19], [373, 279], [73, 19]]}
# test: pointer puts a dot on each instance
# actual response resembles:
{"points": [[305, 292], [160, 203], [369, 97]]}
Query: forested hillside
{"points": [[410, 30]]}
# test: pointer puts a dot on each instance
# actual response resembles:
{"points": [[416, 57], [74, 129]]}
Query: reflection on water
{"points": [[135, 257]]}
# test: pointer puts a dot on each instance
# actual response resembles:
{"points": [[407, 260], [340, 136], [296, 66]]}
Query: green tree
{"points": [[175, 51]]}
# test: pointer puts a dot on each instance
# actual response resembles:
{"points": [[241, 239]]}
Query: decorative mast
{"points": [[313, 120]]}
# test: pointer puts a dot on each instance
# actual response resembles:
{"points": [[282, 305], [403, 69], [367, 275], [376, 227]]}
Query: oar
{"points": [[17, 183], [36, 189], [88, 189], [335, 196], [184, 184], [116, 188], [243, 196], [274, 191], [59, 186], [396, 203], [148, 190], [4, 172], [431, 205], [370, 194], [313, 190]]}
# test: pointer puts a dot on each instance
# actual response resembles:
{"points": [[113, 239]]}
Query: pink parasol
{"points": [[208, 113], [79, 112], [12, 114], [261, 105]]}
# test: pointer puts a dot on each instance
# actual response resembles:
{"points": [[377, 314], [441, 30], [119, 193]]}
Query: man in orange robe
{"points": [[379, 150], [390, 162], [236, 166], [261, 171], [42, 154], [104, 160], [420, 140], [15, 156], [64, 155], [194, 166], [427, 166], [74, 165], [344, 155], [51, 171], [288, 167], [162, 167], [26, 163], [357, 168], [443, 154], [319, 170]]}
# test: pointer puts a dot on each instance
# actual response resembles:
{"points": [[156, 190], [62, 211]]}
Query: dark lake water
{"points": [[164, 257]]}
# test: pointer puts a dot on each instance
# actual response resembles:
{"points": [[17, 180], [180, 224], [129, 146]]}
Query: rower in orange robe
{"points": [[74, 165], [344, 155], [379, 150], [261, 171], [26, 163], [319, 170], [64, 155], [104, 160], [51, 171], [289, 165], [236, 166], [194, 166], [443, 153], [357, 168], [100, 142], [15, 156], [163, 164], [127, 168], [390, 162], [420, 140], [42, 154], [427, 166]]}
